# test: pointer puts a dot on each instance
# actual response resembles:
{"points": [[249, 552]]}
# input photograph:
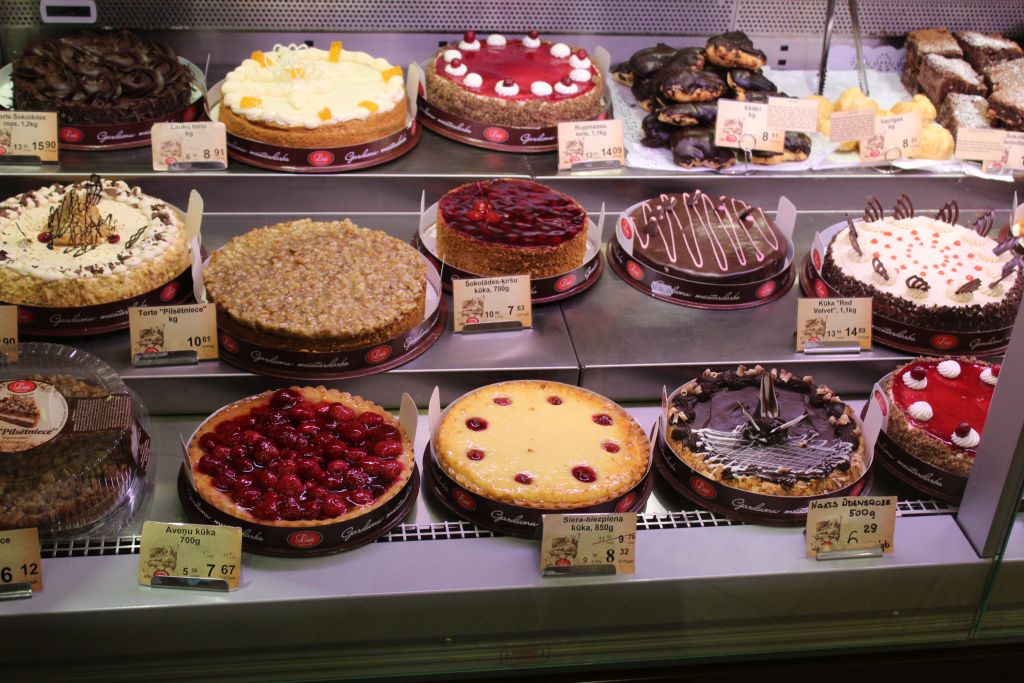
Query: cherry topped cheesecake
{"points": [[506, 227], [541, 445], [939, 407], [526, 82], [300, 457]]}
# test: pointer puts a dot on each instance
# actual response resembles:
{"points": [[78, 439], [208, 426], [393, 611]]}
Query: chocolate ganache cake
{"points": [[97, 78], [766, 431], [700, 237]]}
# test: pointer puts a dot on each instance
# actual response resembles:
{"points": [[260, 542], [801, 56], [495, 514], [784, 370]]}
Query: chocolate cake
{"points": [[699, 237], [967, 111], [96, 78], [1007, 104], [766, 431], [940, 76], [1004, 73], [923, 42], [983, 50]]}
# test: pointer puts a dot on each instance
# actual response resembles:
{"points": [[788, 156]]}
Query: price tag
{"points": [[9, 332], [193, 551], [895, 137], [584, 145], [603, 543], [850, 523], [744, 125], [833, 321], [980, 144], [1011, 153], [845, 126], [166, 330], [490, 304], [189, 146], [19, 558], [787, 113], [28, 136]]}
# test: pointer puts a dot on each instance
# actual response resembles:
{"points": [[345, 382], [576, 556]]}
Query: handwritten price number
{"points": [[225, 570], [869, 528], [27, 570]]}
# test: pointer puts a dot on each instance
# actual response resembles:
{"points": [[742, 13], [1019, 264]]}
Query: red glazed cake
{"points": [[300, 457], [525, 82], [939, 408], [505, 227]]}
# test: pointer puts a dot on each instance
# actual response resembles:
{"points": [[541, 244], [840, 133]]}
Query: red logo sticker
{"points": [[626, 502], [882, 403], [169, 160], [25, 316], [766, 290], [320, 158], [420, 89], [817, 259], [820, 289], [703, 487], [944, 342], [472, 321], [565, 283], [496, 134], [3, 151], [635, 271], [21, 386], [189, 114], [464, 500], [228, 344], [71, 135], [378, 354], [627, 231], [169, 291], [562, 562], [412, 128], [305, 539]]}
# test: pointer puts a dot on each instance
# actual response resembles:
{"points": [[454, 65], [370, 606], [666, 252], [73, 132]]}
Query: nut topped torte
{"points": [[764, 431], [317, 286]]}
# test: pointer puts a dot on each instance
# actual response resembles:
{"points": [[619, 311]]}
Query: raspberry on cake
{"points": [[525, 82], [300, 457], [541, 445], [505, 227], [299, 96], [88, 243], [939, 406]]}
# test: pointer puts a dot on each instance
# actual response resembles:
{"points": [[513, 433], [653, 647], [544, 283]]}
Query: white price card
{"points": [[850, 523], [490, 304], [845, 126], [789, 113], [190, 328], [191, 551], [585, 145], [28, 135], [599, 543], [833, 320], [744, 125], [895, 137], [189, 146], [19, 558]]}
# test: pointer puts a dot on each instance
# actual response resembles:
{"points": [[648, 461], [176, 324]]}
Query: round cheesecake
{"points": [[699, 237], [300, 457], [525, 82], [316, 286], [101, 78], [505, 227], [299, 96], [926, 272], [939, 408], [813, 446], [87, 243], [542, 445]]}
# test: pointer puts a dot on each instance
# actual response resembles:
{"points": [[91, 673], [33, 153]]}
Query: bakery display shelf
{"points": [[1003, 617], [629, 344], [477, 601]]}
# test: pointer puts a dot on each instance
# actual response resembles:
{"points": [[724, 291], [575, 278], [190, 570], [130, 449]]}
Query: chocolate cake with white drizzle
{"points": [[699, 237], [929, 272], [765, 431]]}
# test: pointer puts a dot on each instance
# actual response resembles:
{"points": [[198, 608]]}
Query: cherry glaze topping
{"points": [[524, 478], [962, 399], [475, 454], [584, 473], [456, 63], [610, 446], [534, 34], [962, 429], [522, 64], [502, 401], [45, 237], [469, 36], [113, 238], [554, 400], [520, 213], [477, 424], [918, 372], [602, 419], [508, 82]]}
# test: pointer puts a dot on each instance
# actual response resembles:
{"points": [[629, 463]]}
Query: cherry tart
{"points": [[939, 407], [300, 457], [541, 445]]}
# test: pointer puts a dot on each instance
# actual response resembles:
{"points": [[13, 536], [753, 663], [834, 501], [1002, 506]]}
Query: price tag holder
{"points": [[28, 137], [20, 563], [492, 304], [839, 525], [833, 325], [577, 545], [591, 145], [192, 146], [744, 125], [9, 332], [895, 137], [845, 126], [190, 556], [173, 335]]}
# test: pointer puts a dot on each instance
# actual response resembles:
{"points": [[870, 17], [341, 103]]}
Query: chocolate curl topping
{"points": [[93, 190], [1006, 245], [969, 286], [983, 222], [918, 282], [949, 213], [768, 403], [854, 242], [1008, 268], [873, 211], [879, 267], [904, 207]]}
